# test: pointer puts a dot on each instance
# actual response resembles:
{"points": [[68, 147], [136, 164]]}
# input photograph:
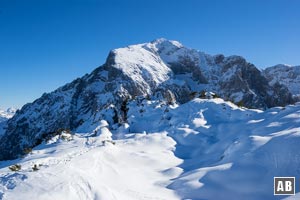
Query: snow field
{"points": [[204, 149]]}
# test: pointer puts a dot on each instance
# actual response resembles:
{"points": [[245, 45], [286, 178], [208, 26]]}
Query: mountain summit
{"points": [[162, 70]]}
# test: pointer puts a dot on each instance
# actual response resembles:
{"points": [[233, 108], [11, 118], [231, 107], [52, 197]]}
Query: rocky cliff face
{"points": [[159, 70], [286, 75]]}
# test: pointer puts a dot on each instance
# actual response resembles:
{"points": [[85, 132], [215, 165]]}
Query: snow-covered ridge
{"points": [[165, 62], [142, 65]]}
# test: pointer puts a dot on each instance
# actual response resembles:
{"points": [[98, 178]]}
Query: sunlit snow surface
{"points": [[204, 149]]}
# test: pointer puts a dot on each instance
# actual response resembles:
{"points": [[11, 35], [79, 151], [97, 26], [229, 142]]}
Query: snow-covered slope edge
{"points": [[203, 149], [160, 70]]}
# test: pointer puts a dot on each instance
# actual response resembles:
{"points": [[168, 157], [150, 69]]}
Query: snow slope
{"points": [[203, 149], [84, 168]]}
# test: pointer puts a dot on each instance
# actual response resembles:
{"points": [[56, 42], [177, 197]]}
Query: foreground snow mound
{"points": [[133, 168], [204, 149]]}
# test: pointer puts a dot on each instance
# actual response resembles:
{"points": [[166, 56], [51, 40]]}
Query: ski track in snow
{"points": [[204, 149]]}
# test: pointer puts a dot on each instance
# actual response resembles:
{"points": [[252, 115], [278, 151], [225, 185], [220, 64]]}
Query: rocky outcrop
{"points": [[286, 75], [249, 87]]}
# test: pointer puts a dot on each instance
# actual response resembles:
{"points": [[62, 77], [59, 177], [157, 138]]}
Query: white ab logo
{"points": [[288, 186]]}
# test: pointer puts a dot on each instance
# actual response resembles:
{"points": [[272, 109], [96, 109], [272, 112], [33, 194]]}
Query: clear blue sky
{"points": [[47, 43]]}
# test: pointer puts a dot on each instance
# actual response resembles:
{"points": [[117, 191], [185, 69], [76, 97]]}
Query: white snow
{"points": [[146, 71], [204, 149], [131, 169]]}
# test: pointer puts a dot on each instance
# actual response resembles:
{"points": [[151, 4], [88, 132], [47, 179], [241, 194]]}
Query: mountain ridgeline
{"points": [[161, 70]]}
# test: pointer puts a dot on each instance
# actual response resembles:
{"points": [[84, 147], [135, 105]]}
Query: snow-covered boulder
{"points": [[102, 131]]}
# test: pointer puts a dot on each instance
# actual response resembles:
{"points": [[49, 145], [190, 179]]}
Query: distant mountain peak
{"points": [[7, 114]]}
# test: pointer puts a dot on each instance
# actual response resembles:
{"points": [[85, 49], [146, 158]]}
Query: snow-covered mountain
{"points": [[142, 126], [7, 114], [286, 75], [160, 70], [202, 149], [4, 116]]}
